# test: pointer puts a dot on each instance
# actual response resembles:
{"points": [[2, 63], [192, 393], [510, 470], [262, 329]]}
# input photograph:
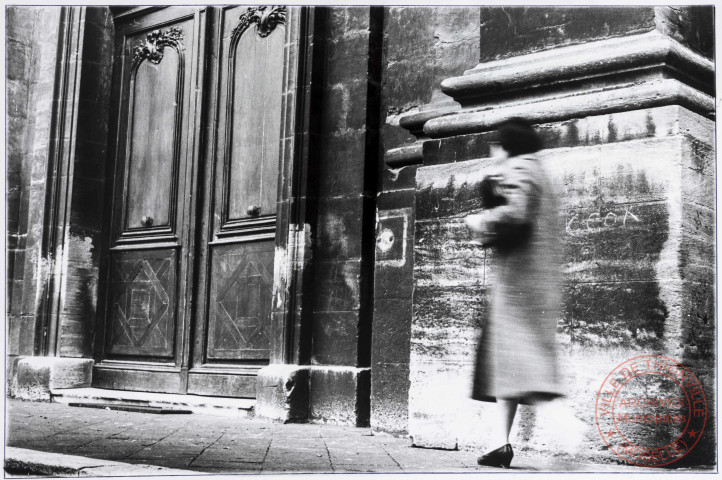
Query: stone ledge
{"points": [[414, 121], [579, 105], [605, 57], [404, 156], [36, 376]]}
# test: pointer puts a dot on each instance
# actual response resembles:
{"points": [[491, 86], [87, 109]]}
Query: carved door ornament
{"points": [[266, 18], [155, 44]]}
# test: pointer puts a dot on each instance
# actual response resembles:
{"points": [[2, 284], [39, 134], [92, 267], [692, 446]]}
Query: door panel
{"points": [[256, 73], [145, 330], [240, 302], [155, 101], [142, 307], [232, 335]]}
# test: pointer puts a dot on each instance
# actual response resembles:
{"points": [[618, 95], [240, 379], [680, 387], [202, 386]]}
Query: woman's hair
{"points": [[517, 137]]}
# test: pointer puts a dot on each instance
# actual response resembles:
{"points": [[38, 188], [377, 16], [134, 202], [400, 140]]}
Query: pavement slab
{"points": [[113, 441]]}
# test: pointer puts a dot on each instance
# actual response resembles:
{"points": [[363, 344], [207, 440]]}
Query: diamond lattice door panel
{"points": [[142, 316], [241, 302]]}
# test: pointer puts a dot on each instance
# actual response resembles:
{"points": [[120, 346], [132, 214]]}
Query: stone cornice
{"points": [[611, 100], [414, 122], [620, 74], [412, 154], [577, 62]]}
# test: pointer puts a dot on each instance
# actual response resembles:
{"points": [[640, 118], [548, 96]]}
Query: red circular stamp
{"points": [[651, 411]]}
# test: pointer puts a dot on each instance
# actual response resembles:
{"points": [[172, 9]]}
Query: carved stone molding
{"points": [[155, 43], [266, 18], [615, 75]]}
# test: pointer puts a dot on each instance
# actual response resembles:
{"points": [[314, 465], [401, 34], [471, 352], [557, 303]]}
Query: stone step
{"points": [[220, 406]]}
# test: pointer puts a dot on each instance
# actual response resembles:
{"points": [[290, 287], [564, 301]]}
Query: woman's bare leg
{"points": [[505, 412]]}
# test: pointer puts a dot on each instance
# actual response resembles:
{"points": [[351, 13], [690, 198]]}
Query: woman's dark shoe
{"points": [[501, 457]]}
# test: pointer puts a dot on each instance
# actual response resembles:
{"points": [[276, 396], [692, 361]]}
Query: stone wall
{"points": [[511, 31], [422, 46], [59, 86], [20, 78], [32, 36], [86, 177], [346, 175], [623, 100], [626, 208]]}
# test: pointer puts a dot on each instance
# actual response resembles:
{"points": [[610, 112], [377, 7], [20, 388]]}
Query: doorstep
{"points": [[220, 406]]}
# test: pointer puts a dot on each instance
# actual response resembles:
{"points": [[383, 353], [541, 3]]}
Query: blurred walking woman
{"points": [[516, 359]]}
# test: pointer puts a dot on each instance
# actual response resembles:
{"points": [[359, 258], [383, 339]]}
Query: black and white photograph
{"points": [[360, 239]]}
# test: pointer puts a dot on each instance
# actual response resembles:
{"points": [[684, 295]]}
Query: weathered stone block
{"points": [[18, 55], [400, 76], [390, 397], [510, 31], [348, 21], [402, 197], [339, 229], [410, 30], [37, 376], [340, 395], [98, 46], [87, 202], [20, 22], [16, 137], [691, 25], [76, 333], [348, 60], [282, 393], [397, 180], [335, 338], [342, 151], [17, 96], [392, 330], [11, 368], [95, 83], [337, 286], [93, 119], [13, 209]]}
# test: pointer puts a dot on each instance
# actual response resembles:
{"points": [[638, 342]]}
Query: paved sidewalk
{"points": [[212, 444]]}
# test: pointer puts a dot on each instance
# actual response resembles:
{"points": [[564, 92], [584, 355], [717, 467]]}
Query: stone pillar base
{"points": [[282, 393], [340, 395], [35, 377], [313, 393]]}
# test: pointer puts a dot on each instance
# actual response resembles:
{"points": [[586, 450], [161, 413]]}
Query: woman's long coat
{"points": [[516, 357]]}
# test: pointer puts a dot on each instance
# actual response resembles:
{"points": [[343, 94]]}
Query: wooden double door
{"points": [[188, 262]]}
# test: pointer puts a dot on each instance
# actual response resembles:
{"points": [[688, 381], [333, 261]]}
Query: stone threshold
{"points": [[25, 463], [207, 405]]}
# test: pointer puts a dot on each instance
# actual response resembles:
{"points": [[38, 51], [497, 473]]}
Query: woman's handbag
{"points": [[504, 235]]}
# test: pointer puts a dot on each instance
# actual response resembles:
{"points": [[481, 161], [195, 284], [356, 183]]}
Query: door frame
{"points": [[290, 329]]}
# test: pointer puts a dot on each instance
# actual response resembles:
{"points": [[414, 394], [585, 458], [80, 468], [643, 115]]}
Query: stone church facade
{"points": [[267, 203]]}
